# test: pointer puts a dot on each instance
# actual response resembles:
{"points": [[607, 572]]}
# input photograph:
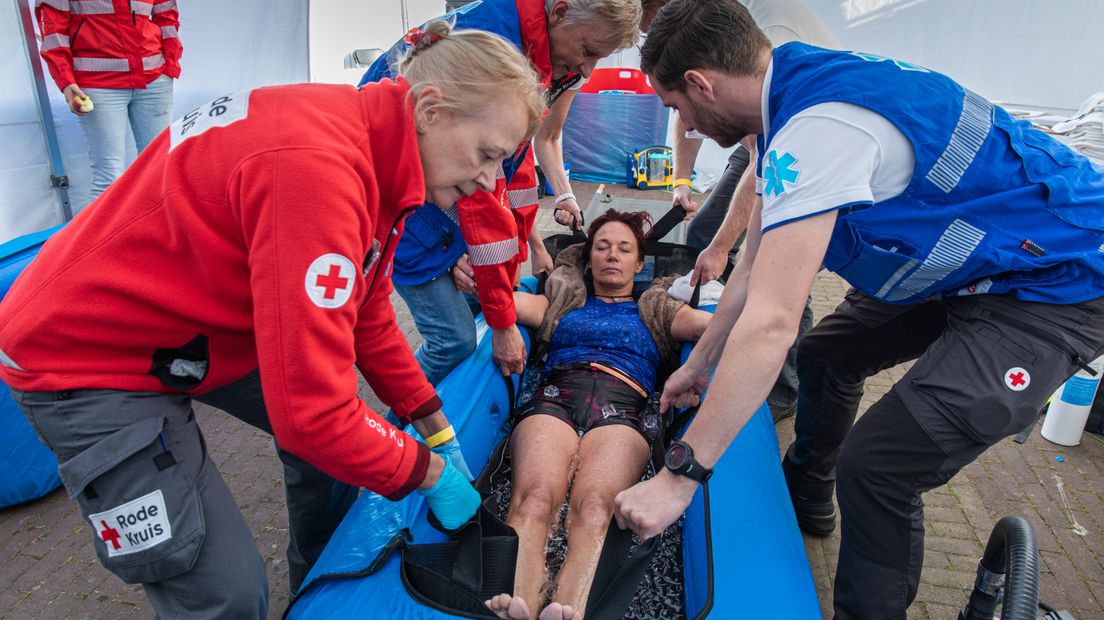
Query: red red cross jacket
{"points": [[257, 230], [109, 43], [494, 256]]}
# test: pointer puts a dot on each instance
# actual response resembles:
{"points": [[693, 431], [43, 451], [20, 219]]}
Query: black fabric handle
{"points": [[511, 393], [695, 298], [456, 576], [619, 573], [666, 223]]}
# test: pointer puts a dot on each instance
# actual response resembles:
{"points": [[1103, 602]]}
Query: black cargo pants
{"points": [[986, 366]]}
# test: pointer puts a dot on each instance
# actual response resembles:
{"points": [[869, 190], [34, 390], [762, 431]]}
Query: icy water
{"points": [[660, 595]]}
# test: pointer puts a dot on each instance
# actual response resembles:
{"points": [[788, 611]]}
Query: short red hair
{"points": [[635, 220]]}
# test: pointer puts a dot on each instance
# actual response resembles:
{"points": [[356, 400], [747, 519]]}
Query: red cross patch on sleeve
{"points": [[330, 279]]}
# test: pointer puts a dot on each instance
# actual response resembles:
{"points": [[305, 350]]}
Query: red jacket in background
{"points": [[109, 43], [257, 230], [495, 261]]}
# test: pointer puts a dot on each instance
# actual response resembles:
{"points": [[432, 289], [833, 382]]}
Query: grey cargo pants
{"points": [[159, 511]]}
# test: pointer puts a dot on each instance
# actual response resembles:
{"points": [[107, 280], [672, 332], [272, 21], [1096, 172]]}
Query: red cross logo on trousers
{"points": [[1017, 379], [110, 535], [329, 280]]}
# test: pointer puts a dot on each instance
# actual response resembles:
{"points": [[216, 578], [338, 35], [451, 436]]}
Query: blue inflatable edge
{"points": [[13, 246], [30, 467], [743, 552]]}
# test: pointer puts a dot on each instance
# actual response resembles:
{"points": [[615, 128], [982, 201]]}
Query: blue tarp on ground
{"points": [[743, 553]]}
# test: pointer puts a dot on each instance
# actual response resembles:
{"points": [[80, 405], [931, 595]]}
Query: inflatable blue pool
{"points": [[30, 469], [743, 555]]}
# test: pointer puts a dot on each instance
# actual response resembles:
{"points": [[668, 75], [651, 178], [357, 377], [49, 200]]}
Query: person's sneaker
{"points": [[812, 503], [781, 413]]}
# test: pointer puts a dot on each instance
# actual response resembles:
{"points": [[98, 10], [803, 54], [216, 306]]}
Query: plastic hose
{"points": [[1011, 560]]}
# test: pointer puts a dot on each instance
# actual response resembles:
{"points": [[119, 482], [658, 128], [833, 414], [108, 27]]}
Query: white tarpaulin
{"points": [[1023, 53], [338, 27], [228, 47]]}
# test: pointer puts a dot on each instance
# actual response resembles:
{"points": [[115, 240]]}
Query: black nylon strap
{"points": [[666, 224], [457, 575], [511, 393], [618, 574], [695, 298]]}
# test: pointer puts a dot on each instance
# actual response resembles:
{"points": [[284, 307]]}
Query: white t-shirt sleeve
{"points": [[831, 156]]}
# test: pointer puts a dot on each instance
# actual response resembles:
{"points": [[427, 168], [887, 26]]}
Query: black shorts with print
{"points": [[587, 398]]}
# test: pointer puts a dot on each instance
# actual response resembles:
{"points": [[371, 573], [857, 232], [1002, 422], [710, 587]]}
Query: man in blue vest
{"points": [[973, 242]]}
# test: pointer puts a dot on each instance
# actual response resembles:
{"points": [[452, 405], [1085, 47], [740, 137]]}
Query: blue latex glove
{"points": [[453, 499], [451, 453]]}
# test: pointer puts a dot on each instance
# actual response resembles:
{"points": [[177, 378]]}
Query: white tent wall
{"points": [[338, 27], [228, 47], [1024, 52], [1030, 52], [27, 202], [1018, 52]]}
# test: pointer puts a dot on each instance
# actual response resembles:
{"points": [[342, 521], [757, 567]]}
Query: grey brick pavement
{"points": [[48, 569]]}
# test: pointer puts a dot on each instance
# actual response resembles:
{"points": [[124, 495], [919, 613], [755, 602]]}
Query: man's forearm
{"points": [[549, 153], [711, 345], [708, 351], [548, 144], [535, 240], [744, 376], [739, 210], [685, 151]]}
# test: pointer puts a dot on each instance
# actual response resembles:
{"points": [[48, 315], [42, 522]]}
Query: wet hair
{"points": [[635, 220], [620, 18], [473, 69], [701, 34]]}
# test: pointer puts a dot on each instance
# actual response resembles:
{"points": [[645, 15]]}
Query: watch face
{"points": [[677, 456]]}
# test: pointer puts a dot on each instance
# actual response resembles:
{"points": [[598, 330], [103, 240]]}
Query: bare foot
{"points": [[556, 611], [508, 607]]}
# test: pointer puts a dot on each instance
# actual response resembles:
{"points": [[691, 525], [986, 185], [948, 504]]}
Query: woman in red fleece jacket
{"points": [[245, 260]]}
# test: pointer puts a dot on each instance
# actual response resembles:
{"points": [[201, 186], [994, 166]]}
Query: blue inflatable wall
{"points": [[30, 469], [601, 131]]}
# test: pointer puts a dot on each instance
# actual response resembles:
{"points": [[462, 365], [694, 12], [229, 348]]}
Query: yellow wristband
{"points": [[686, 182], [440, 437]]}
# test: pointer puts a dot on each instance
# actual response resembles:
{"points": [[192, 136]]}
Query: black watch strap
{"points": [[680, 460]]}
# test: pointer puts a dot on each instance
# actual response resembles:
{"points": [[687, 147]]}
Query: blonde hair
{"points": [[620, 18], [472, 68]]}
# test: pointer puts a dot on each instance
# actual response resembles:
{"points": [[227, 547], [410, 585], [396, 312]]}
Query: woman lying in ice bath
{"points": [[590, 410]]}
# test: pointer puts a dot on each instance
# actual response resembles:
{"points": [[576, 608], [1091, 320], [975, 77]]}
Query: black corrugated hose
{"points": [[1011, 561]]}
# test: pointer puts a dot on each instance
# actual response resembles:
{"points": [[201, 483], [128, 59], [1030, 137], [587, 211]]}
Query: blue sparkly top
{"points": [[610, 334]]}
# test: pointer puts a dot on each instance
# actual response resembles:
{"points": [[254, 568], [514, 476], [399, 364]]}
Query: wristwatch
{"points": [[680, 460]]}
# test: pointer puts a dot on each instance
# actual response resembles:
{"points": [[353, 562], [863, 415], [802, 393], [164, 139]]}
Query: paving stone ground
{"points": [[48, 568]]}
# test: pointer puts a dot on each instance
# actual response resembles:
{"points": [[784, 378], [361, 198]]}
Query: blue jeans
{"points": [[445, 318], [145, 110]]}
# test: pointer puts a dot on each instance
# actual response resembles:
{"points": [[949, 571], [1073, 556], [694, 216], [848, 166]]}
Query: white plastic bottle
{"points": [[1070, 406]]}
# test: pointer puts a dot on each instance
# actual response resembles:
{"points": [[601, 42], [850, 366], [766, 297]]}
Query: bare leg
{"points": [[542, 450], [611, 459]]}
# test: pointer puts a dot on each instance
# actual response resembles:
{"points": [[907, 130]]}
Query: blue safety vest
{"points": [[431, 242], [993, 206]]}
